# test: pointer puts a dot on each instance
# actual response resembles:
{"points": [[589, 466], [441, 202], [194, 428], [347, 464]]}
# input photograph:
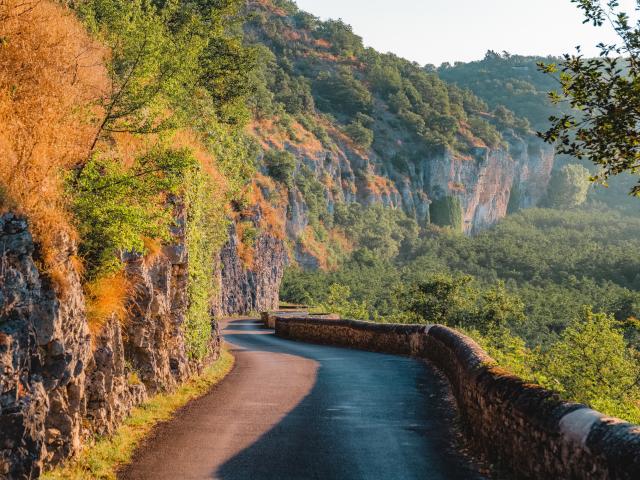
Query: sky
{"points": [[437, 31]]}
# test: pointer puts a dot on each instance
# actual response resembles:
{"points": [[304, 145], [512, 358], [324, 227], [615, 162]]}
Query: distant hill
{"points": [[513, 81], [343, 124]]}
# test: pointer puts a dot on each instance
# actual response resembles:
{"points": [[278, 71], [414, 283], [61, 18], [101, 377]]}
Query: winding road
{"points": [[298, 411]]}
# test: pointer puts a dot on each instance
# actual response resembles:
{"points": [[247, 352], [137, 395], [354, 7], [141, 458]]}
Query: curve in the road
{"points": [[299, 411]]}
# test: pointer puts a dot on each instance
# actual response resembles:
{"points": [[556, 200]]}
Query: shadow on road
{"points": [[368, 416]]}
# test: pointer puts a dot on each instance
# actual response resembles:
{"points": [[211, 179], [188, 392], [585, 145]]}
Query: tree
{"points": [[498, 310], [360, 134], [441, 299], [591, 363], [281, 165], [605, 95], [447, 212], [568, 187], [163, 56], [339, 301]]}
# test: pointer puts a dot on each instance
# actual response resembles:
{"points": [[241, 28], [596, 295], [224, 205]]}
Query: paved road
{"points": [[297, 411]]}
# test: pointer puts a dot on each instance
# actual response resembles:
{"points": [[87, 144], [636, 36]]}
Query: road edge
{"points": [[107, 455]]}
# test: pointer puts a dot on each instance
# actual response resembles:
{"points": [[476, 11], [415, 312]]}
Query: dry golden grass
{"points": [[246, 253], [51, 76], [106, 297], [153, 247]]}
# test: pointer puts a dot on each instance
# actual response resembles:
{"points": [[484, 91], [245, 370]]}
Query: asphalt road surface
{"points": [[298, 411]]}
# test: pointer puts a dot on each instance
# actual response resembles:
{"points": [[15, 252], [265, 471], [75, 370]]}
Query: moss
{"points": [[102, 459], [447, 212]]}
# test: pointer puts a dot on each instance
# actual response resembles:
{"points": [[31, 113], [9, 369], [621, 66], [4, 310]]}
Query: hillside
{"points": [[342, 124], [515, 82]]}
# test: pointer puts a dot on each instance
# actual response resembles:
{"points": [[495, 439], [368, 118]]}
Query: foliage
{"points": [[511, 81], [442, 299], [342, 93], [591, 363], [341, 37], [320, 72], [384, 232], [118, 207], [360, 134], [164, 54], [339, 302], [447, 212], [106, 298], [509, 351], [281, 165], [50, 74], [313, 192], [102, 459], [605, 92], [568, 187], [206, 233]]}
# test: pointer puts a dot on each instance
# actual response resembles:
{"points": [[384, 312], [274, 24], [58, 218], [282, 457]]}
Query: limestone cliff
{"points": [[59, 385], [488, 181], [251, 264]]}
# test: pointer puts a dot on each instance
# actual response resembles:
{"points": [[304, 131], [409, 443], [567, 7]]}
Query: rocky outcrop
{"points": [[489, 182], [44, 350], [524, 430], [253, 288], [113, 389], [59, 385]]}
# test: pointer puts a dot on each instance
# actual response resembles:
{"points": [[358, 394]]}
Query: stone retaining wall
{"points": [[522, 428]]}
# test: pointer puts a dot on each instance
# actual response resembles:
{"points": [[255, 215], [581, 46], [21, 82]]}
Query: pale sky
{"points": [[436, 31]]}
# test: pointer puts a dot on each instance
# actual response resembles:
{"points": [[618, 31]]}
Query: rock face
{"points": [[44, 350], [488, 182], [59, 385], [155, 338], [251, 289], [111, 390]]}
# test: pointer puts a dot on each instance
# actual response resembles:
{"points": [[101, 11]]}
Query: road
{"points": [[298, 411]]}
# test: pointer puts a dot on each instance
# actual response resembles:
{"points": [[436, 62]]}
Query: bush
{"points": [[447, 212], [118, 207], [50, 72], [281, 165], [360, 134]]}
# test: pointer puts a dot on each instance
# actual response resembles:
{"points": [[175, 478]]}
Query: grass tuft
{"points": [[102, 460]]}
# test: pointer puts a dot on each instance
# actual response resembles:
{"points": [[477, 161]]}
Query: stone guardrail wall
{"points": [[521, 428]]}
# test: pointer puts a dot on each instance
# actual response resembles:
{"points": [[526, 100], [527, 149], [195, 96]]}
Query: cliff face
{"points": [[488, 181], [252, 263], [251, 289], [59, 385], [44, 350]]}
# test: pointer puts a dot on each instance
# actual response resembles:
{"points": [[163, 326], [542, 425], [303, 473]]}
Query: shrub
{"points": [[118, 207], [360, 134], [281, 165], [50, 74], [447, 212]]}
